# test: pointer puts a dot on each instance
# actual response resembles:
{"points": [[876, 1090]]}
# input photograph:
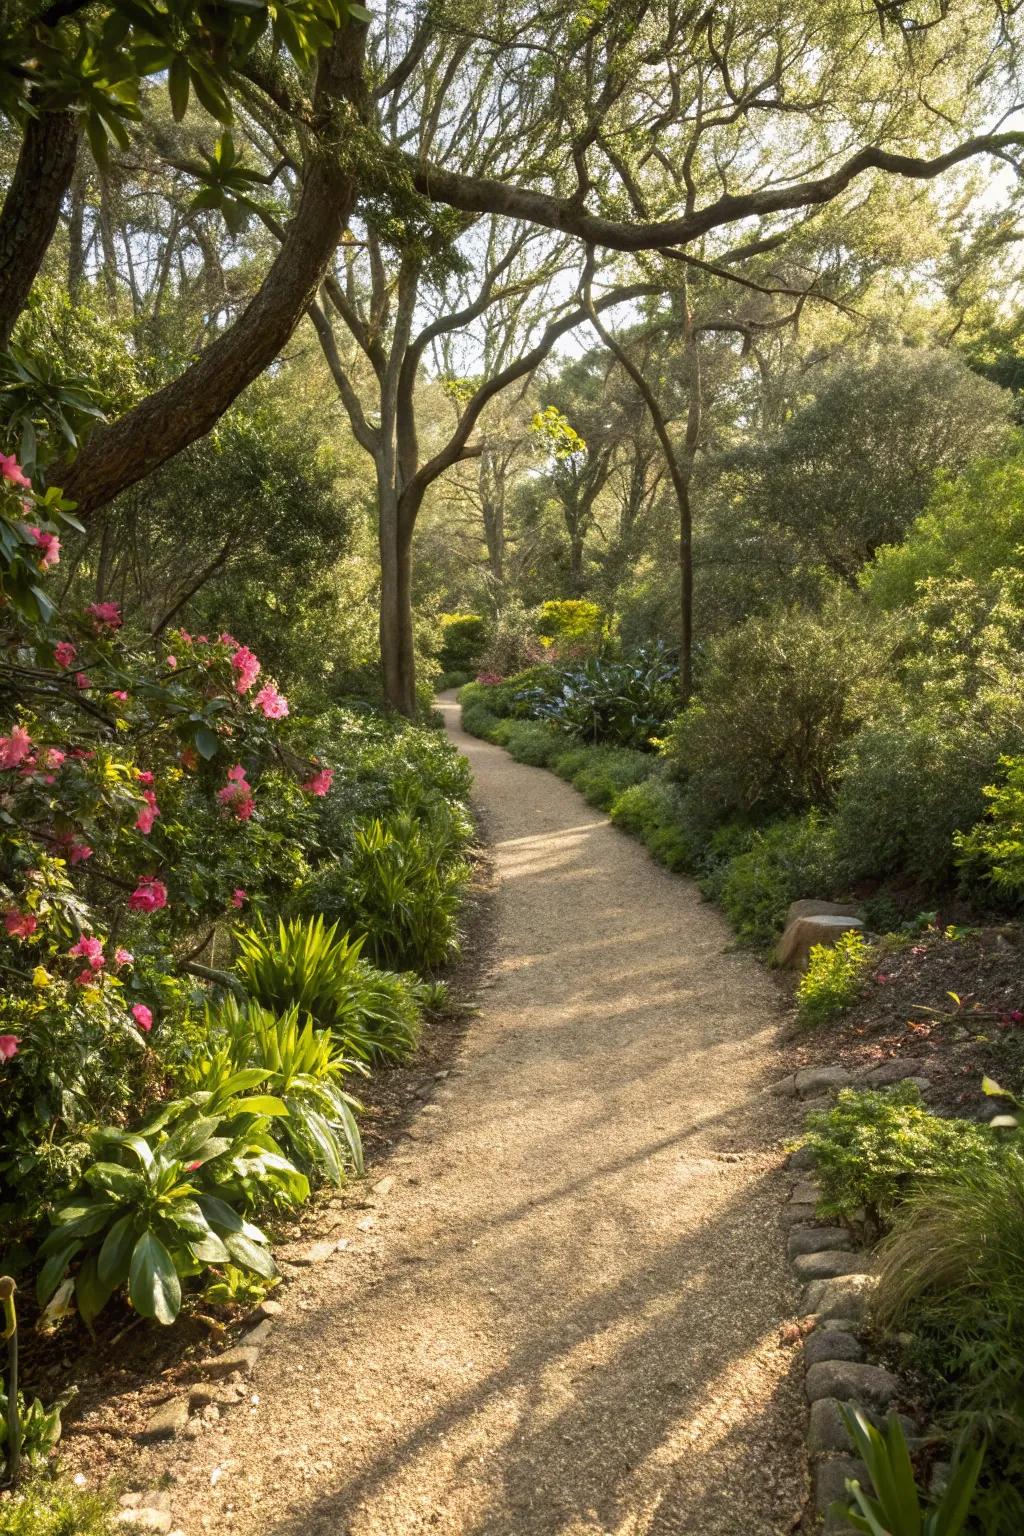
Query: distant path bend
{"points": [[564, 1319]]}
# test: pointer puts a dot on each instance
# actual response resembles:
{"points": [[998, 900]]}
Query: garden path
{"points": [[563, 1318]]}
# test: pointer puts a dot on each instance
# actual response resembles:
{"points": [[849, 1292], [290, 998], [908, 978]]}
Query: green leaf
{"points": [[53, 1271], [178, 86], [249, 1255], [257, 1104], [153, 1284], [91, 1294], [207, 742], [115, 1255], [112, 1179]]}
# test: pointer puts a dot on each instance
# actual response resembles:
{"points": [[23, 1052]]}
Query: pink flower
{"points": [[144, 776], [15, 748], [148, 814], [123, 957], [194, 1165], [11, 470], [64, 653], [142, 1016], [239, 897], [8, 1046], [106, 615], [119, 694], [85, 978], [149, 895], [236, 796], [79, 852], [91, 950], [20, 925], [82, 680], [320, 782], [172, 662], [490, 678], [273, 704], [245, 664], [49, 543], [186, 638]]}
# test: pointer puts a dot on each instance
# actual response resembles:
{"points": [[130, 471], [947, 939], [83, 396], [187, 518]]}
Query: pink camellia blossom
{"points": [[90, 949], [79, 852], [172, 662], [11, 470], [273, 704], [120, 695], [142, 1016], [106, 615], [144, 776], [237, 796], [15, 748], [86, 978], [320, 782], [224, 639], [20, 925], [82, 680], [239, 897], [123, 957], [149, 895], [190, 759], [64, 653], [186, 638], [149, 813], [247, 667], [49, 543], [9, 1046]]}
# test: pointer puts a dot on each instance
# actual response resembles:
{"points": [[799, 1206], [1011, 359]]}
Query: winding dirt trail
{"points": [[562, 1319]]}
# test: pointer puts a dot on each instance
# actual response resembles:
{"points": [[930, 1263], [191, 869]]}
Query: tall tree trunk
{"points": [[32, 206], [76, 240], [397, 649]]}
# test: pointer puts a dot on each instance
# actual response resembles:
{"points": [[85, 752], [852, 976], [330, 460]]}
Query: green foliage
{"points": [[952, 1271], [872, 1144], [512, 643], [900, 1508], [301, 964], [652, 810], [400, 887], [478, 719], [530, 741], [785, 862], [780, 698], [610, 703], [570, 622], [303, 1067], [602, 773], [463, 637], [39, 1429], [972, 526], [152, 1211], [833, 979], [52, 1506], [997, 843]]}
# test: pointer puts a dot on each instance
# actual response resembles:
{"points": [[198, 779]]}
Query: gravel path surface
{"points": [[563, 1317]]}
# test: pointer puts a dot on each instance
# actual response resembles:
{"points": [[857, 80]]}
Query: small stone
{"points": [[826, 1431], [894, 1071], [145, 1518], [830, 1478], [846, 1296], [825, 1266], [838, 1325], [268, 1307], [799, 1215], [817, 1239], [831, 1344], [259, 1335], [240, 1359], [211, 1413], [802, 1160], [384, 1186], [367, 1224], [814, 1080], [805, 1193], [316, 1253], [851, 1382], [165, 1421]]}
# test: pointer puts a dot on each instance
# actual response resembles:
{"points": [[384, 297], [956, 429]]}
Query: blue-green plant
{"points": [[899, 1508]]}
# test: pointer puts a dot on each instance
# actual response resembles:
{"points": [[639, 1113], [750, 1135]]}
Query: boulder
{"points": [[831, 1344], [895, 1070], [803, 933], [846, 1296], [825, 1266], [851, 1381], [799, 909], [818, 1239], [810, 1082]]}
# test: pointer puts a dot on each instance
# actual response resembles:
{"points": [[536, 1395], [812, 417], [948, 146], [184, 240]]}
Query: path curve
{"points": [[564, 1317]]}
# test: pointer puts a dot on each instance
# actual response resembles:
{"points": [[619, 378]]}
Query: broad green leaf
{"points": [[153, 1284]]}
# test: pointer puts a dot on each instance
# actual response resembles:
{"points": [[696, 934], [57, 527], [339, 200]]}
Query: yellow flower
{"points": [[41, 977]]}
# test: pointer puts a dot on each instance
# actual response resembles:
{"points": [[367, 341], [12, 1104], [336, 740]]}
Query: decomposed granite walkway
{"points": [[564, 1316]]}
